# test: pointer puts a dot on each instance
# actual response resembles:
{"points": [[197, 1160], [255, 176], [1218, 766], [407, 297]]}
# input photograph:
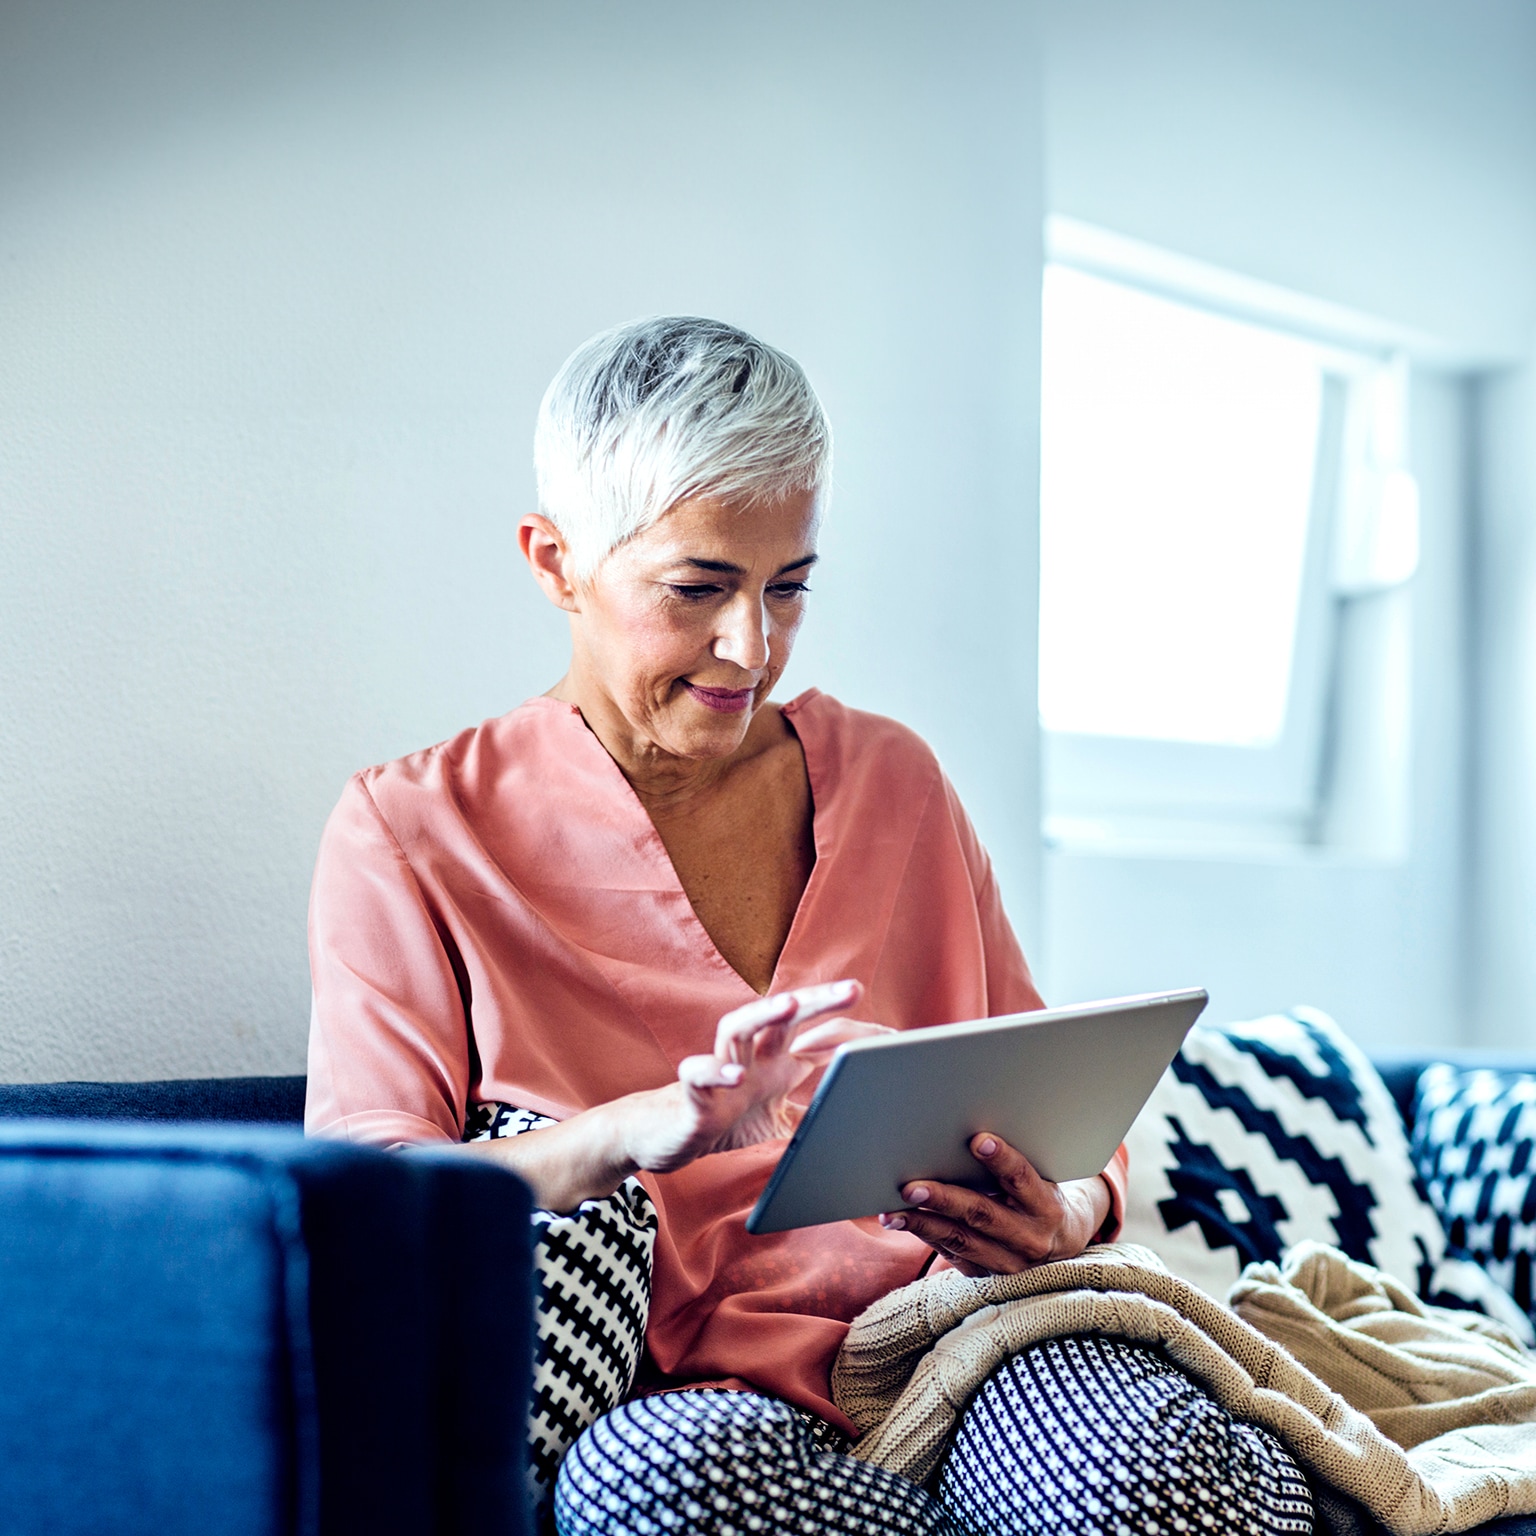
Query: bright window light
{"points": [[1178, 455]]}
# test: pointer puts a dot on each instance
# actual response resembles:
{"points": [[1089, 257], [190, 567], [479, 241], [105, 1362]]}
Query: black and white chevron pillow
{"points": [[1264, 1133], [1474, 1144], [594, 1296]]}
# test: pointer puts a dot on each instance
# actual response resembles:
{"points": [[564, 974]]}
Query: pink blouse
{"points": [[496, 918]]}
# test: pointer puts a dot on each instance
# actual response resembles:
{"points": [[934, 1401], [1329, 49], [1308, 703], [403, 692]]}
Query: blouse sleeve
{"points": [[1115, 1176], [388, 1040]]}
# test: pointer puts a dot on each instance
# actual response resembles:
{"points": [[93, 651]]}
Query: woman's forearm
{"points": [[583, 1158]]}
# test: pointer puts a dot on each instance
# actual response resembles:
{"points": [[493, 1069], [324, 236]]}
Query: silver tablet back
{"points": [[1063, 1086]]}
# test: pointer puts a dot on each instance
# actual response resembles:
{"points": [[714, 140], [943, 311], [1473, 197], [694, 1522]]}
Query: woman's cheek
{"points": [[781, 640], [660, 648]]}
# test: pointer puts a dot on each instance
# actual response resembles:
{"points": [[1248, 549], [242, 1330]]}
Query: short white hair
{"points": [[654, 412]]}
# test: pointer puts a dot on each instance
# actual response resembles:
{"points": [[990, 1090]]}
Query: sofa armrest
{"points": [[247, 1331]]}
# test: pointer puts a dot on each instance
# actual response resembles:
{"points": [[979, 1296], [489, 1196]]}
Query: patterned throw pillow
{"points": [[1264, 1133], [1474, 1144], [594, 1272]]}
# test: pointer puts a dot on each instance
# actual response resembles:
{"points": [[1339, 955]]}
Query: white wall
{"points": [[280, 286], [1502, 928], [1379, 155]]}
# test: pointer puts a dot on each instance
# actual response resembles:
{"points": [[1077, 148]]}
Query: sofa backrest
{"points": [[280, 1100], [247, 1100]]}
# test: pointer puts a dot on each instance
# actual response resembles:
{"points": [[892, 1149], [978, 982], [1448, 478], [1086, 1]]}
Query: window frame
{"points": [[1119, 793]]}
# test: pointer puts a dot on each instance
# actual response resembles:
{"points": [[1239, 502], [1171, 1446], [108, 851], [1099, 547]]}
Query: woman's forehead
{"points": [[706, 530]]}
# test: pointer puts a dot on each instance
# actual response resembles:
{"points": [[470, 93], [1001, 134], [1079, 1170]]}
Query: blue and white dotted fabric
{"points": [[1087, 1436], [717, 1463]]}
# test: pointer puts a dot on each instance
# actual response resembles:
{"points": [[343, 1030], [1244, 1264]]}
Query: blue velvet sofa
{"points": [[221, 1326]]}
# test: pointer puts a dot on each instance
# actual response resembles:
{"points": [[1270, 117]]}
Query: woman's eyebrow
{"points": [[726, 568], [716, 567]]}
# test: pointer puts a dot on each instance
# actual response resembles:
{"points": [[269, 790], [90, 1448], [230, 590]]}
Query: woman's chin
{"points": [[697, 732], [715, 741]]}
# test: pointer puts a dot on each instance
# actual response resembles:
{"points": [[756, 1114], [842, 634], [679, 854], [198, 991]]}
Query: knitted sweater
{"points": [[1425, 1417]]}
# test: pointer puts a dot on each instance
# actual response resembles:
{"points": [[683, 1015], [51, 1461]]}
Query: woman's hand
{"points": [[735, 1097], [1030, 1222], [739, 1095]]}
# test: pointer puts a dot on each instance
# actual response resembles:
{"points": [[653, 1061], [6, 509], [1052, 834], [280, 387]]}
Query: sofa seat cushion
{"points": [[1474, 1144], [1264, 1133]]}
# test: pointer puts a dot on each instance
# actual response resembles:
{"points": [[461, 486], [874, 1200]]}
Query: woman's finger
{"points": [[967, 1206], [1015, 1174], [737, 1029], [1030, 1236], [765, 1042], [825, 1038], [826, 997], [705, 1072], [961, 1244], [744, 1030]]}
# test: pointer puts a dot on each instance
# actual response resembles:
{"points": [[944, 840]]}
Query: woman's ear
{"points": [[549, 559]]}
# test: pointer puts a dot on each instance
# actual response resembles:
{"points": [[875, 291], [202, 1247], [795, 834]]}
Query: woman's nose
{"points": [[743, 638]]}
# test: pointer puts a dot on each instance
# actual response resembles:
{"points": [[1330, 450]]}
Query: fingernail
{"points": [[894, 1223], [918, 1194], [732, 1072], [986, 1147]]}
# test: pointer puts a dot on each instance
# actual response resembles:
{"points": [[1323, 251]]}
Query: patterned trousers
{"points": [[1085, 1435]]}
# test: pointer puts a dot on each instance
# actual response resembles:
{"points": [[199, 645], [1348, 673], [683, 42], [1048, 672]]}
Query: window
{"points": [[1213, 490]]}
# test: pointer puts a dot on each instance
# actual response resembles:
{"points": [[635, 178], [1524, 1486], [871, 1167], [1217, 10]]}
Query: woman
{"points": [[621, 905]]}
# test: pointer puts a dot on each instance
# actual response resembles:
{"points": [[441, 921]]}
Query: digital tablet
{"points": [[1062, 1085]]}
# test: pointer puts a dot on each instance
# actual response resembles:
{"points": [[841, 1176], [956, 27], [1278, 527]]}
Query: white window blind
{"points": [[1179, 451]]}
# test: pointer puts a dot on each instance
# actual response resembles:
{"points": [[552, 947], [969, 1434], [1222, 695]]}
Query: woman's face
{"points": [[686, 628]]}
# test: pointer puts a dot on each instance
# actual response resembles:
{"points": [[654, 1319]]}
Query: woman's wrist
{"points": [[583, 1158], [1109, 1210], [627, 1122], [1100, 1206], [1089, 1201]]}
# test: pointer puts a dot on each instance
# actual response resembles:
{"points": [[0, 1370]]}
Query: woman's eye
{"points": [[694, 593], [789, 589]]}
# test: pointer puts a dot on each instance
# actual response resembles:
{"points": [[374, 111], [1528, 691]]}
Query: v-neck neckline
{"points": [[657, 849]]}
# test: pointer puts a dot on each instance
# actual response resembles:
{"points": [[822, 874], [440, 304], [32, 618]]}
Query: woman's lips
{"points": [[728, 701]]}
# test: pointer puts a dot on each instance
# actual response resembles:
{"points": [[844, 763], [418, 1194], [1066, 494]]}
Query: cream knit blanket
{"points": [[1425, 1417]]}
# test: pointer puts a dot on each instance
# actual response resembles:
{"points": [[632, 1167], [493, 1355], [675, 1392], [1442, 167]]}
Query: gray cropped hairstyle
{"points": [[654, 412]]}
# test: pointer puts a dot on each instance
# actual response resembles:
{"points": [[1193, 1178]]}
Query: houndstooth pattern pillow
{"points": [[594, 1296], [1474, 1142]]}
